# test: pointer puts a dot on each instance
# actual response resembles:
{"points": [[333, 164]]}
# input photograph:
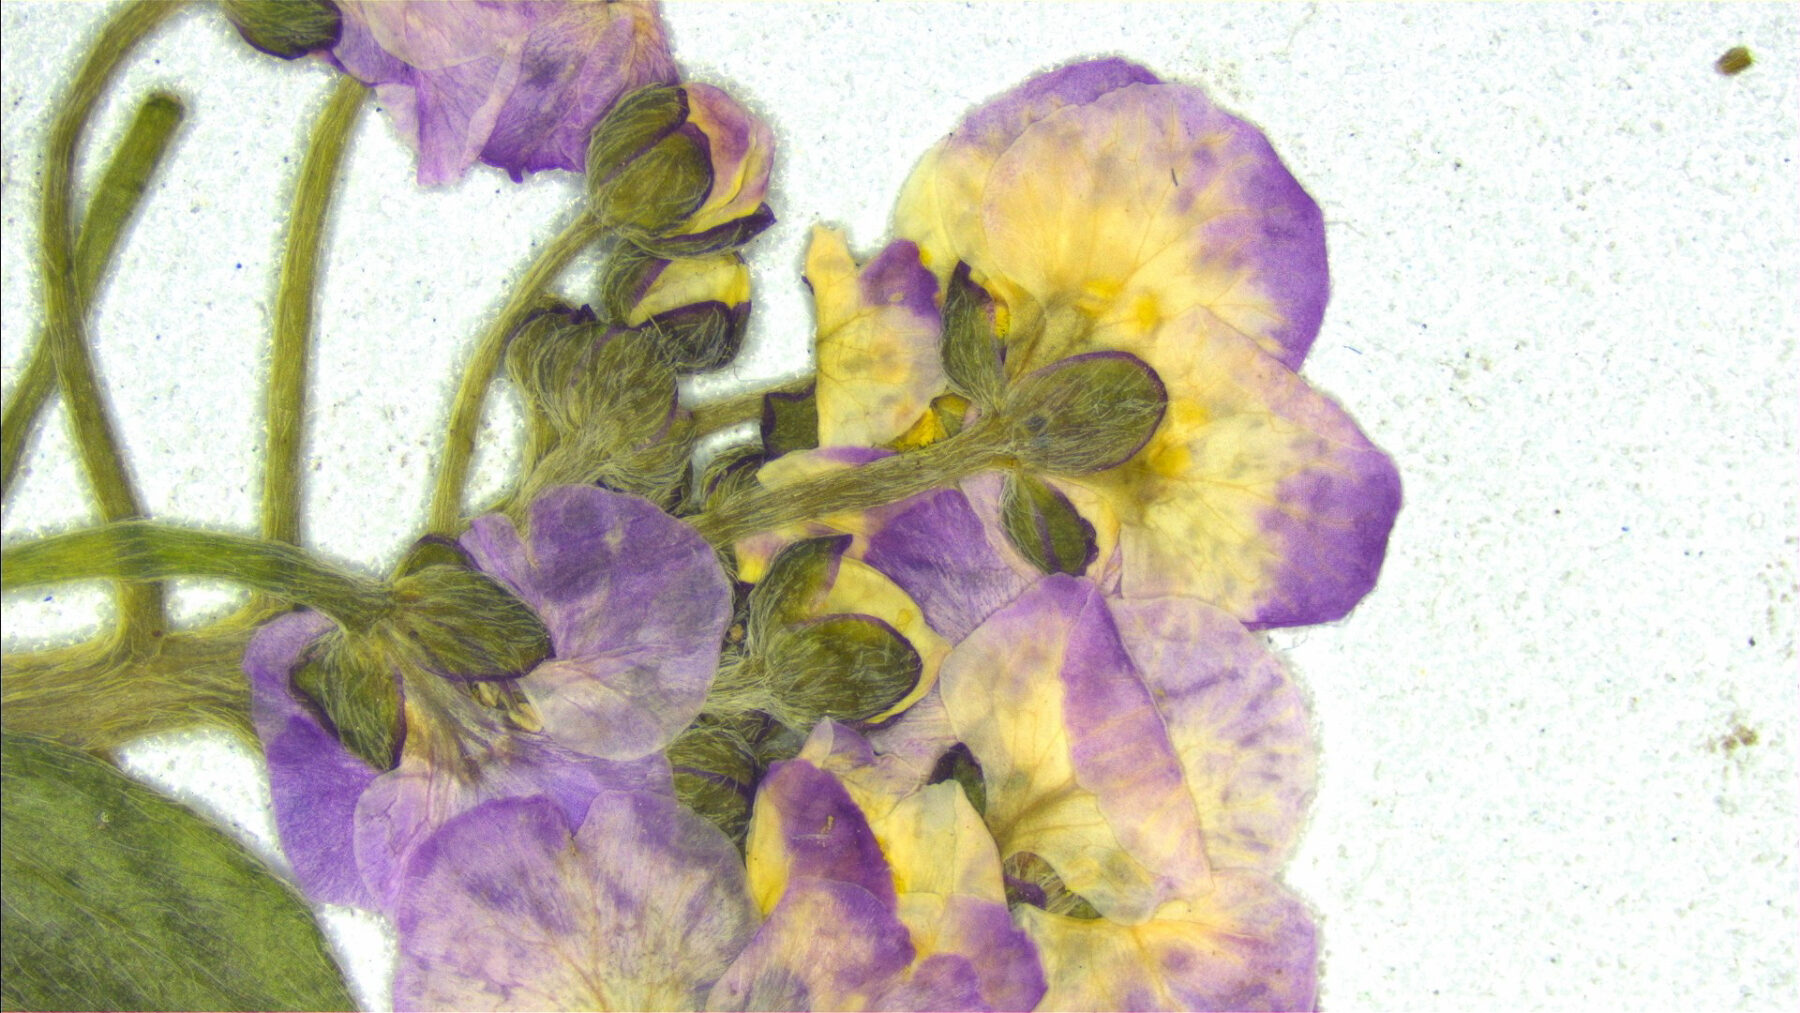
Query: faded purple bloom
{"points": [[641, 905], [635, 605], [518, 86]]}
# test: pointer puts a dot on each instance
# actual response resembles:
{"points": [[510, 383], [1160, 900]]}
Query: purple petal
{"points": [[826, 945], [1240, 724], [807, 827], [1077, 764], [642, 908], [636, 606], [404, 807], [939, 551], [742, 149], [519, 86], [314, 782]]}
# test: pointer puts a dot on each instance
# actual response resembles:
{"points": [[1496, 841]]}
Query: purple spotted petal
{"points": [[636, 606], [808, 826], [826, 945], [404, 807], [518, 86], [642, 907], [1248, 944], [1239, 723], [313, 780]]}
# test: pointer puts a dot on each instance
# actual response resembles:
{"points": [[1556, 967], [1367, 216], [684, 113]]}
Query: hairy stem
{"points": [[717, 415], [141, 550], [109, 213], [888, 480], [294, 310], [140, 605], [96, 698], [471, 395]]}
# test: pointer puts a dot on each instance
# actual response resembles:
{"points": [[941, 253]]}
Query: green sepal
{"points": [[715, 772], [731, 471], [790, 422], [969, 349], [844, 667], [1084, 414], [1045, 527], [118, 898], [637, 122], [461, 625], [357, 693], [958, 764], [661, 188], [624, 277], [698, 337], [289, 29], [794, 588]]}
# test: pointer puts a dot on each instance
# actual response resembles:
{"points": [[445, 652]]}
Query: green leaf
{"points": [[1086, 413], [790, 422], [357, 695], [118, 898], [1045, 527], [970, 352]]}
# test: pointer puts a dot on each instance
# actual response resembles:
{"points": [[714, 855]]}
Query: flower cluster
{"points": [[945, 696]]}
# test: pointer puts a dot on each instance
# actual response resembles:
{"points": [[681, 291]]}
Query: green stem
{"points": [[95, 698], [109, 213], [141, 550], [982, 446], [294, 310], [141, 616], [717, 415], [478, 375]]}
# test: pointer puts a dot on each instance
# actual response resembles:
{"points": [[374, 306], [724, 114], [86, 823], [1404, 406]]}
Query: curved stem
{"points": [[888, 480], [141, 550], [294, 310], [478, 375], [110, 212], [714, 416], [140, 606]]}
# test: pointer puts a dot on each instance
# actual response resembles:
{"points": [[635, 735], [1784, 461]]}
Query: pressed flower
{"points": [[638, 905], [635, 606], [1102, 210], [875, 898], [518, 86], [695, 307]]}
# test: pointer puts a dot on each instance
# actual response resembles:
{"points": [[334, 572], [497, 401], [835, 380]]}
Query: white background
{"points": [[1564, 257]]}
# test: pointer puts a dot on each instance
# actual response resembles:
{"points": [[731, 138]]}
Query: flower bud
{"points": [[681, 170], [695, 307], [289, 29], [602, 405], [1086, 413]]}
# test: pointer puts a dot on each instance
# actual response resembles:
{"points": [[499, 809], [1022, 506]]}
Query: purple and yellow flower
{"points": [[518, 86], [1104, 210], [635, 605], [639, 905], [876, 896], [1157, 760]]}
